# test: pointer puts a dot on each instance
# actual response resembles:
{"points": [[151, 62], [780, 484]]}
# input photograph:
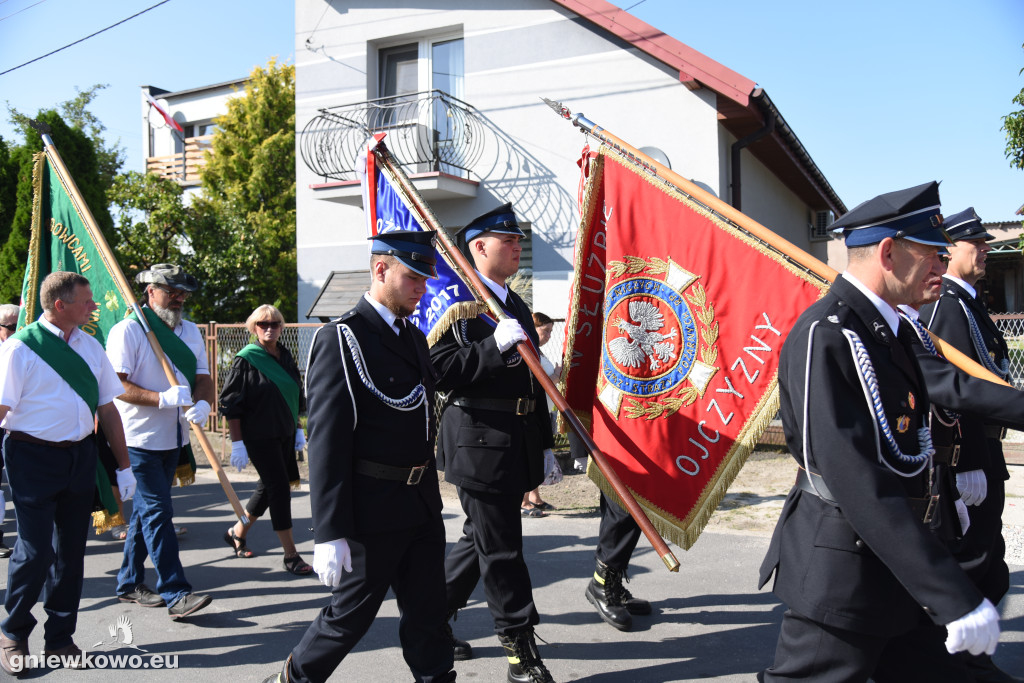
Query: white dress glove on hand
{"points": [[507, 333], [239, 455], [126, 483], [976, 631], [300, 439], [331, 560], [198, 413], [972, 485], [176, 397]]}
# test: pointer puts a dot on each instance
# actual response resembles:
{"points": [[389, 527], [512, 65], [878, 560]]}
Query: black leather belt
{"points": [[995, 432], [410, 475], [924, 508], [28, 438], [519, 406], [947, 455]]}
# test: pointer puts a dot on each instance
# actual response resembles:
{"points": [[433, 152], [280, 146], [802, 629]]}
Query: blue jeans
{"points": [[151, 530], [52, 489]]}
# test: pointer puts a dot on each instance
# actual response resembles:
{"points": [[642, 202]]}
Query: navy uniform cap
{"points": [[414, 248], [966, 226], [911, 214], [500, 220]]}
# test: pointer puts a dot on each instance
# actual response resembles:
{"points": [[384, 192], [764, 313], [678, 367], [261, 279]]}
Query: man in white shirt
{"points": [[8, 326], [156, 420], [53, 379]]}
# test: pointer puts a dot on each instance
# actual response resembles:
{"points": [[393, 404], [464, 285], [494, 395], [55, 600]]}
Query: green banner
{"points": [[60, 241]]}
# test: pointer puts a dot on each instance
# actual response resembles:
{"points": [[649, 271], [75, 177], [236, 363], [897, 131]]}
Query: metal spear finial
{"points": [[559, 108]]}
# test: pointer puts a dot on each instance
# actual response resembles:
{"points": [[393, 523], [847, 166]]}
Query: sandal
{"points": [[295, 565], [531, 511], [237, 544], [544, 505], [119, 532]]}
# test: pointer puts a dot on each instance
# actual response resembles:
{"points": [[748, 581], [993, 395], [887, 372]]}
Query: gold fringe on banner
{"points": [[184, 475], [104, 521], [463, 310], [35, 240]]}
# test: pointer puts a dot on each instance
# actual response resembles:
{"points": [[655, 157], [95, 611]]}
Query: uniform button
{"points": [[391, 379], [860, 544], [481, 440]]}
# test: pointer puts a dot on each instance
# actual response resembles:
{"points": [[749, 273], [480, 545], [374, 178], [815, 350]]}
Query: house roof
{"points": [[743, 107]]}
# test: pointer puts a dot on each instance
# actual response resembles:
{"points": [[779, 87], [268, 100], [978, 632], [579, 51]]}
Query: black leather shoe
{"points": [[463, 650], [611, 610], [984, 670], [4, 550], [190, 604], [12, 656], [142, 596], [70, 656], [524, 663]]}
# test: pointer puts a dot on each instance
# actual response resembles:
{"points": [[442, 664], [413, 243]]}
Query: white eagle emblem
{"points": [[644, 342]]}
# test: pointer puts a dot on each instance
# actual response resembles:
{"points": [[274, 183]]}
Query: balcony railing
{"points": [[428, 131], [183, 167]]}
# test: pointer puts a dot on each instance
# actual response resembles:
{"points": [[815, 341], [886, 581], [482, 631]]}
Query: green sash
{"points": [[177, 351], [258, 357], [62, 358]]}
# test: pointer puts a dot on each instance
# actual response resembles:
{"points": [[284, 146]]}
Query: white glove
{"points": [[976, 631], [300, 439], [331, 560], [126, 483], [973, 486], [198, 413], [176, 397], [961, 513], [507, 333], [239, 455]]}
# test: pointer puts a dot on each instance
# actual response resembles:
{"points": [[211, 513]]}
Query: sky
{"points": [[883, 95]]}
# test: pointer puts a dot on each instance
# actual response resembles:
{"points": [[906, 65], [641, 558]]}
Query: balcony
{"points": [[182, 168], [436, 138]]}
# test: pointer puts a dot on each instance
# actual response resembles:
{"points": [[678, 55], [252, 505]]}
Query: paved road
{"points": [[710, 622]]}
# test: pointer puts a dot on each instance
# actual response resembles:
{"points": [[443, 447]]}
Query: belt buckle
{"points": [[929, 513], [522, 406], [415, 474], [955, 457]]}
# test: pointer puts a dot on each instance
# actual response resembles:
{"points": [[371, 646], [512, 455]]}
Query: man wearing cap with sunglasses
{"points": [[961, 319], [372, 480], [867, 582], [156, 418], [492, 440]]}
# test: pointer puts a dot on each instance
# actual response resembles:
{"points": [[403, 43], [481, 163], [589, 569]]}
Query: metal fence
{"points": [[1012, 327]]}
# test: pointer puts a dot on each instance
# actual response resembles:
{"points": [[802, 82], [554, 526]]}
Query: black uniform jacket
{"points": [[249, 396], [490, 450], [347, 422], [947, 319], [868, 564]]}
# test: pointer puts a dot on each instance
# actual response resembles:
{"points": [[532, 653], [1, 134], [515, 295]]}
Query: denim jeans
{"points": [[151, 528]]}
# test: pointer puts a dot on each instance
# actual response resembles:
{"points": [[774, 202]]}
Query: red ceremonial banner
{"points": [[677, 318]]}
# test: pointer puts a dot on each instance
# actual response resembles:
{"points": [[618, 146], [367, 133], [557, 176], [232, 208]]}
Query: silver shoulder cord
{"points": [[946, 418], [416, 398], [1003, 370]]}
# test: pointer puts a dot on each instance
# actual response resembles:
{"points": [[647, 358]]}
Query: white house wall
{"points": [[513, 56], [199, 106]]}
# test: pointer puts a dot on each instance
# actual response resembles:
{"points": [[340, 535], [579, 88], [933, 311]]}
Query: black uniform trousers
{"points": [[273, 491], [812, 651], [491, 548], [408, 561], [617, 536], [982, 550], [53, 492]]}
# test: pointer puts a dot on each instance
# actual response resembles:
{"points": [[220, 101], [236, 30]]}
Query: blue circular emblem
{"points": [[650, 337]]}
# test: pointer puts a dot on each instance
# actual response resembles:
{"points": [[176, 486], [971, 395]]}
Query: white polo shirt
{"points": [[129, 352], [42, 403]]}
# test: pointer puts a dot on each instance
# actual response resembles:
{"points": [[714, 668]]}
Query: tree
{"points": [[1013, 124], [249, 192], [77, 150]]}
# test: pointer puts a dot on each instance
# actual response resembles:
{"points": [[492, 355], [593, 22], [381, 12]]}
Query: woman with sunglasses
{"points": [[261, 399]]}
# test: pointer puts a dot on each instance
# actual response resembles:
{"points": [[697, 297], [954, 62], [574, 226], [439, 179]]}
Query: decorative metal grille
{"points": [[1012, 327], [427, 132]]}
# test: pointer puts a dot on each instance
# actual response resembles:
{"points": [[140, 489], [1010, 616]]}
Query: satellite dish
{"points": [[657, 155]]}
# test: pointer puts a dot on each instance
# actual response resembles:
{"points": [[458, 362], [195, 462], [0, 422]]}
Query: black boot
{"points": [[524, 664], [984, 670], [605, 592], [463, 650]]}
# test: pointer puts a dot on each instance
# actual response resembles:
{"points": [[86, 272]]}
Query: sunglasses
{"points": [[174, 293], [268, 324], [10, 328]]}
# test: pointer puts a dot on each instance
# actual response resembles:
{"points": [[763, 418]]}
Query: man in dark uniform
{"points": [[867, 583], [373, 484], [960, 319], [492, 440]]}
